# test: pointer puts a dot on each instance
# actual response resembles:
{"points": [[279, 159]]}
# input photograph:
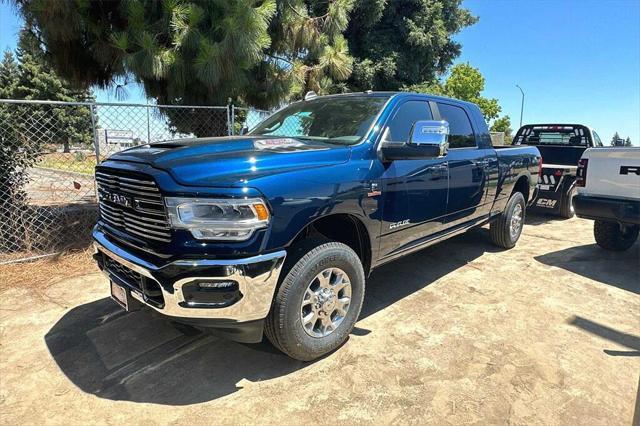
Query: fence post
{"points": [[148, 126], [233, 119], [96, 139], [228, 116]]}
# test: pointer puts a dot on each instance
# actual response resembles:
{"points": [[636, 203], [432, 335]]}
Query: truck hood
{"points": [[235, 160]]}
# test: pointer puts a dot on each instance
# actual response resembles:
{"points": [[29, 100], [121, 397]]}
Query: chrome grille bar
{"points": [[143, 216]]}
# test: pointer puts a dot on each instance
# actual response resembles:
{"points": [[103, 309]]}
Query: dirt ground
{"points": [[47, 187], [460, 333]]}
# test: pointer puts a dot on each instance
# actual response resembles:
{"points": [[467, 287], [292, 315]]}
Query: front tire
{"points": [[611, 236], [505, 231], [318, 302]]}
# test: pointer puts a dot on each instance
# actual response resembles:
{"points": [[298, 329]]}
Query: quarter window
{"points": [[460, 130]]}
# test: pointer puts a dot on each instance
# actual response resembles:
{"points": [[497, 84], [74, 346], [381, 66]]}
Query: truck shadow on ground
{"points": [[623, 339], [618, 269], [143, 357]]}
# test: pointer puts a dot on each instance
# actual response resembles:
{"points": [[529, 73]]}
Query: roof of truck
{"points": [[396, 94]]}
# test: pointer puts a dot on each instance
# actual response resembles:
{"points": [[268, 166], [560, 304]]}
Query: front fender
{"points": [[293, 215]]}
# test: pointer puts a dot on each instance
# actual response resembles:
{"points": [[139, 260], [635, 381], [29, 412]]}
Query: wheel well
{"points": [[345, 229], [522, 185]]}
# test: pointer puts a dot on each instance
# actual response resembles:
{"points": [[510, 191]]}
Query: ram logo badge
{"points": [[398, 224], [627, 170]]}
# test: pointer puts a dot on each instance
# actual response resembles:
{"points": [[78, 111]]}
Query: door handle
{"points": [[438, 171]]}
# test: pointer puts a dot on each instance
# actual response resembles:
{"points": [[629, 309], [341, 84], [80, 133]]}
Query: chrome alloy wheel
{"points": [[326, 302], [516, 222]]}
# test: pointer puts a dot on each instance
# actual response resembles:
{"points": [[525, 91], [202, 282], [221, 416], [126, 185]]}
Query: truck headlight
{"points": [[218, 219]]}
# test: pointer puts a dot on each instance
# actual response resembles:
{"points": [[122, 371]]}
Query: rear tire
{"points": [[611, 236], [566, 208], [505, 231], [318, 302]]}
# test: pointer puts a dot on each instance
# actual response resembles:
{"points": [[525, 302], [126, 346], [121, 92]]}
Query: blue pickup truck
{"points": [[275, 231]]}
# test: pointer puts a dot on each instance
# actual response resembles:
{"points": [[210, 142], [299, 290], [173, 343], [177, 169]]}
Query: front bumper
{"points": [[600, 208], [256, 279]]}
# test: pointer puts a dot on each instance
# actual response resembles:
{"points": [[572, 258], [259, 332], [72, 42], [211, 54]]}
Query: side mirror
{"points": [[244, 131], [428, 139]]}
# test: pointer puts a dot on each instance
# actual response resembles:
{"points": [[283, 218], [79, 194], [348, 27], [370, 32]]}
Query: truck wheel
{"points": [[566, 208], [612, 236], [506, 230], [318, 302]]}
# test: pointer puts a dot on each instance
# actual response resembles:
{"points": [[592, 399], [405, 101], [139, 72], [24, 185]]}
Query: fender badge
{"points": [[398, 224]]}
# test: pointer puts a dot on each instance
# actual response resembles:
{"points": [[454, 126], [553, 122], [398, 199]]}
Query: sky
{"points": [[578, 61]]}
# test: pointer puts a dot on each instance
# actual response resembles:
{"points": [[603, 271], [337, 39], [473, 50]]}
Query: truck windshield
{"points": [[337, 120], [563, 135]]}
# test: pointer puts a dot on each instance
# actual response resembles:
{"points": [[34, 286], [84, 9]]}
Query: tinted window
{"points": [[402, 121], [460, 130]]}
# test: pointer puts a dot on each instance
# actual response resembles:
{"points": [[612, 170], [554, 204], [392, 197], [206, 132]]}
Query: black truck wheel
{"points": [[318, 301], [506, 230], [566, 208], [612, 236]]}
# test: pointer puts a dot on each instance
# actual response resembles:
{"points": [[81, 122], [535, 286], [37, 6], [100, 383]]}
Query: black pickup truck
{"points": [[277, 230], [561, 146]]}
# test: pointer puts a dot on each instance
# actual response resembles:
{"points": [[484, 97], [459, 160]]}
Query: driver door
{"points": [[414, 191]]}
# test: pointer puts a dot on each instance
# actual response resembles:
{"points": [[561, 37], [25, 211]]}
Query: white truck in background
{"points": [[608, 182]]}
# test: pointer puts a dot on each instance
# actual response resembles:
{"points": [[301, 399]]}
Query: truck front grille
{"points": [[131, 202]]}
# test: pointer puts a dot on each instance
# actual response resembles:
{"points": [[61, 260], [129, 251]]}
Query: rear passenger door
{"points": [[468, 167]]}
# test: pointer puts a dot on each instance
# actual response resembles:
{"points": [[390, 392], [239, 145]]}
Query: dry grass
{"points": [[45, 272], [70, 162]]}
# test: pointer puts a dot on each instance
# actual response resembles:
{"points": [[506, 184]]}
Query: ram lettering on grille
{"points": [[132, 204]]}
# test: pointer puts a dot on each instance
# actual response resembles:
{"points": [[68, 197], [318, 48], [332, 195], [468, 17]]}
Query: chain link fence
{"points": [[48, 151]]}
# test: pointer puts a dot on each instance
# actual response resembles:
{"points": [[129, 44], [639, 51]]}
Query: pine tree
{"points": [[8, 75], [400, 43], [37, 81], [616, 140], [198, 52], [259, 53]]}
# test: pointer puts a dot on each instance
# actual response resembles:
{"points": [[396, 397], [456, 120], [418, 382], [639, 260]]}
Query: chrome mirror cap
{"points": [[431, 133]]}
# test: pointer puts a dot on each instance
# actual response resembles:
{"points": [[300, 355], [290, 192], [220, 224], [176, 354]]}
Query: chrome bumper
{"points": [[256, 276]]}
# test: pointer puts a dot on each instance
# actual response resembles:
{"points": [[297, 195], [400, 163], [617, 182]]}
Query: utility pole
{"points": [[522, 104]]}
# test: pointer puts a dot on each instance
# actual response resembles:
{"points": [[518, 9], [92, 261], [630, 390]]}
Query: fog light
{"points": [[211, 293]]}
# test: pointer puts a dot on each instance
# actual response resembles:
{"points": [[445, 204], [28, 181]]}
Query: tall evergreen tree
{"points": [[257, 52], [616, 140], [400, 43], [38, 81], [197, 52], [8, 75]]}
